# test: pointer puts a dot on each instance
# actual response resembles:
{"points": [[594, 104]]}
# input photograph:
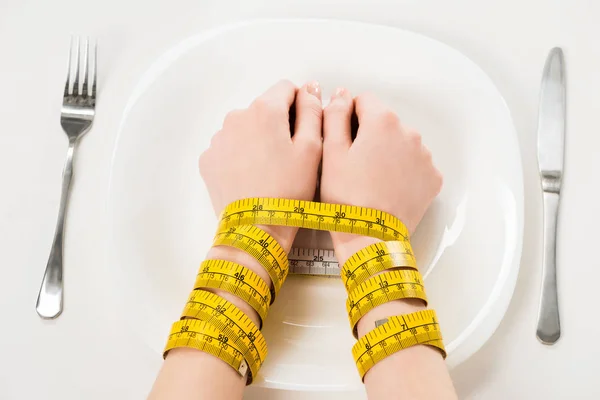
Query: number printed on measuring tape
{"points": [[203, 336], [260, 245], [237, 280], [383, 288], [398, 333], [313, 262], [313, 215], [241, 331], [376, 258]]}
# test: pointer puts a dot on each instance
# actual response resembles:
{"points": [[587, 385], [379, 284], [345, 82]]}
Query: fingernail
{"points": [[315, 89], [339, 92]]}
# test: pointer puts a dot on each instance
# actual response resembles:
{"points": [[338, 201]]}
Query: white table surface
{"points": [[83, 355]]}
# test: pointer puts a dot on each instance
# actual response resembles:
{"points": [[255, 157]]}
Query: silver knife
{"points": [[551, 148]]}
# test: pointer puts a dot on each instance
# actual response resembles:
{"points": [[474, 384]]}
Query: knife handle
{"points": [[548, 326]]}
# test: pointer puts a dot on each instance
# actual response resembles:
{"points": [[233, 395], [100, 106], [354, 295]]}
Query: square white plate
{"points": [[468, 245]]}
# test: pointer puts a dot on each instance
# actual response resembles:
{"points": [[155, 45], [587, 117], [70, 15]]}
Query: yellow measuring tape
{"points": [[221, 329], [380, 289], [376, 258], [244, 334], [313, 215], [203, 336], [260, 245], [237, 280], [396, 334]]}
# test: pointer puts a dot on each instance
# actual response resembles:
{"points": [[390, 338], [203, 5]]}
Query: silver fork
{"points": [[76, 117]]}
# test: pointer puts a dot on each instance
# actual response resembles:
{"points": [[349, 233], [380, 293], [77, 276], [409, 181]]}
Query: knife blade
{"points": [[551, 144]]}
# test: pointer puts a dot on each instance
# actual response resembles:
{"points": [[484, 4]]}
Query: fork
{"points": [[76, 117]]}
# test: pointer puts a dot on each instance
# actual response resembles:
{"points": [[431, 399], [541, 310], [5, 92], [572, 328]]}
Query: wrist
{"points": [[284, 235], [240, 304], [239, 257], [346, 244], [397, 307]]}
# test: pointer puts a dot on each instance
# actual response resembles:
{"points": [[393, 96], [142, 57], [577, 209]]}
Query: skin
{"points": [[269, 162], [359, 173]]}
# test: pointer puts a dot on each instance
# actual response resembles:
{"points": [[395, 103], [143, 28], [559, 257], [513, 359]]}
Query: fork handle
{"points": [[548, 328], [50, 298]]}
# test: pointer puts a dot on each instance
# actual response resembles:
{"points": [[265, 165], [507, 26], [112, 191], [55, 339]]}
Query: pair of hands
{"points": [[386, 167]]}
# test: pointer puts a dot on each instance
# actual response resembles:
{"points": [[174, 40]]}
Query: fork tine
{"points": [[67, 86], [77, 71], [93, 92], [86, 62]]}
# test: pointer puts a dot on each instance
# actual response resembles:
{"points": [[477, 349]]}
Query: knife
{"points": [[551, 147]]}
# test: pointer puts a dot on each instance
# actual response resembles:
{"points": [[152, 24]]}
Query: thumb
{"points": [[309, 114], [337, 122]]}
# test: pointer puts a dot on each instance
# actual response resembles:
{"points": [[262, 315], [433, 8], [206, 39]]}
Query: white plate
{"points": [[469, 244]]}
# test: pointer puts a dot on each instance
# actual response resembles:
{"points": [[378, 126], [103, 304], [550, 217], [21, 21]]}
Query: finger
{"points": [[309, 114], [278, 98], [336, 120]]}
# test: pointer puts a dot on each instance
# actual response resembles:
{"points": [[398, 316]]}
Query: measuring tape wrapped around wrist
{"points": [[236, 228], [260, 245], [313, 215], [383, 288], [241, 332], [206, 337], [398, 333], [376, 258], [237, 280], [219, 328]]}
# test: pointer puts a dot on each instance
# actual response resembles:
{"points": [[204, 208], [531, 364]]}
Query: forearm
{"points": [[416, 373], [191, 374]]}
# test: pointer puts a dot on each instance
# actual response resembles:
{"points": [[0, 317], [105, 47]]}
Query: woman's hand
{"points": [[255, 155], [386, 167]]}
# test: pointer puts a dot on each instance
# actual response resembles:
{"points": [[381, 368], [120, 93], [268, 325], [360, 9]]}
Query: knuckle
{"points": [[414, 138], [261, 103], [427, 153], [232, 117], [384, 121], [286, 83], [389, 119], [216, 138], [265, 106]]}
